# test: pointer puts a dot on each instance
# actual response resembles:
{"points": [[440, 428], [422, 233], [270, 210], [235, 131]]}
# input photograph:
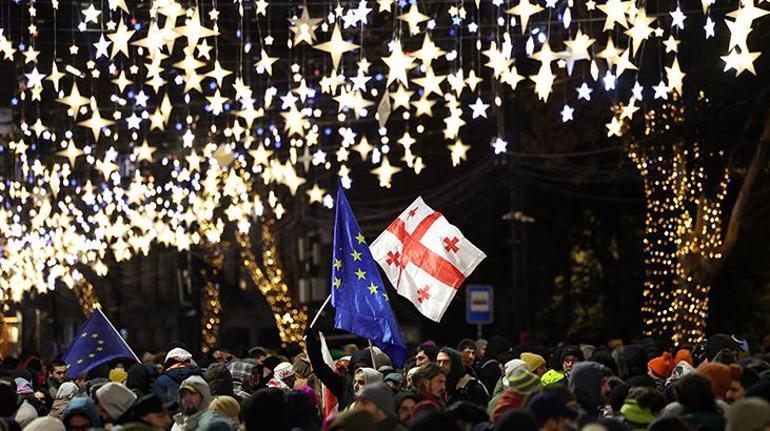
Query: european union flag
{"points": [[358, 293], [97, 342]]}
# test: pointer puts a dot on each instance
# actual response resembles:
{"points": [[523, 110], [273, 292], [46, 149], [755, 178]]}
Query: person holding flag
{"points": [[361, 304]]}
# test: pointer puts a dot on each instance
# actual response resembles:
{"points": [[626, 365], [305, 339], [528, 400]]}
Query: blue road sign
{"points": [[479, 304]]}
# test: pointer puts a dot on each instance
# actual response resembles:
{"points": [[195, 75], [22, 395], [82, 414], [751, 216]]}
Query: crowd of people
{"points": [[476, 385]]}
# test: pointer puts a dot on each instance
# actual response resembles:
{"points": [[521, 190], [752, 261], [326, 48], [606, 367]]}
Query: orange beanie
{"points": [[721, 376], [683, 355], [662, 366]]}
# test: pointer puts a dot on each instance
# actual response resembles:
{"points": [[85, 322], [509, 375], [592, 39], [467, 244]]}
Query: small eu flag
{"points": [[96, 343], [358, 294]]}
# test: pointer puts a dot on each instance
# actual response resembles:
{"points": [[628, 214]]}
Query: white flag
{"points": [[425, 258]]}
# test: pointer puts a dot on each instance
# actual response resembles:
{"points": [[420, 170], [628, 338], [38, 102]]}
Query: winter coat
{"points": [[340, 386], [167, 385], [141, 378], [83, 406], [703, 420]]}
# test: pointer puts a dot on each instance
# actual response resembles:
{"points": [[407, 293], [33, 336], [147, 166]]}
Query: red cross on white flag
{"points": [[425, 258]]}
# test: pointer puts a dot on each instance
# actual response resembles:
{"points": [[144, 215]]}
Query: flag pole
{"points": [[99, 309], [317, 315]]}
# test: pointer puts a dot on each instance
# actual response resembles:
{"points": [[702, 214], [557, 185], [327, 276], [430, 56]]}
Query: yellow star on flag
{"points": [[373, 288], [361, 274], [360, 238], [337, 264], [356, 255]]}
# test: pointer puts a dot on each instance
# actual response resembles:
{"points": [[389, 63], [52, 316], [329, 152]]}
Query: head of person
{"points": [[535, 363], [226, 405], [517, 420], [723, 378], [81, 414], [430, 380], [570, 356], [58, 372], [258, 354], [750, 414], [481, 348], [285, 373], [467, 349], [693, 392], [141, 377], [363, 377], [219, 379], [176, 357], [149, 409], [669, 423], [353, 420], [194, 395], [222, 356], [377, 399], [589, 381], [404, 403], [265, 410], [425, 354], [550, 411], [113, 400], [394, 380]]}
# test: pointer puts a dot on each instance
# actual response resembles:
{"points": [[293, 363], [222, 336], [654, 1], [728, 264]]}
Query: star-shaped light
{"points": [[614, 127], [91, 14], [428, 52], [629, 110], [500, 146], [336, 46], [677, 18], [304, 28], [740, 61], [120, 39], [459, 152], [34, 78], [616, 13], [709, 27], [577, 49], [584, 92], [413, 18], [96, 122], [385, 172], [55, 76], [641, 29], [144, 152], [671, 44], [479, 108], [398, 64], [121, 81], [72, 152], [219, 73], [675, 77], [74, 100], [430, 83], [661, 90], [101, 47], [265, 63], [524, 10], [316, 194], [566, 113]]}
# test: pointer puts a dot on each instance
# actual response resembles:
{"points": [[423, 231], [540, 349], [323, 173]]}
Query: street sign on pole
{"points": [[479, 304]]}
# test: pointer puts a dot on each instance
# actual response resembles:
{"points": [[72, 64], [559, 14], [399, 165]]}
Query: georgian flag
{"points": [[425, 258]]}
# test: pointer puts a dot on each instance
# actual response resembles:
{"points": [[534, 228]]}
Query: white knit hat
{"points": [[45, 423], [178, 354], [283, 370], [116, 399]]}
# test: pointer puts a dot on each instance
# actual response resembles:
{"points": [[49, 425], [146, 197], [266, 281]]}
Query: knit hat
{"points": [[547, 405], [283, 370], [523, 382], [515, 365], [681, 369], [661, 366], [381, 396], [720, 376], [750, 414], [551, 377], [23, 387], [118, 375], [45, 423], [683, 355], [534, 361], [115, 398], [226, 405], [178, 354], [67, 391]]}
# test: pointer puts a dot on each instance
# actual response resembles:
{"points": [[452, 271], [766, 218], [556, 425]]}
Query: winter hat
{"points": [[118, 375], [683, 355], [681, 369], [750, 414], [116, 399], [22, 386], [572, 351], [661, 366], [397, 378], [718, 342], [147, 404], [548, 405], [312, 396], [534, 361], [381, 396], [226, 405], [515, 365], [551, 377], [283, 370], [523, 382], [67, 391], [45, 423], [720, 376], [178, 354], [219, 379]]}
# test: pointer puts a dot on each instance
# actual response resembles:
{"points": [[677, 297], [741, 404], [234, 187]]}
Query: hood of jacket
{"points": [[83, 406], [585, 381]]}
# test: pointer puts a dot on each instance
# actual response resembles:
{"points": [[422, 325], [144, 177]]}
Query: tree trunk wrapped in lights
{"points": [[685, 244], [85, 293], [290, 320], [211, 304]]}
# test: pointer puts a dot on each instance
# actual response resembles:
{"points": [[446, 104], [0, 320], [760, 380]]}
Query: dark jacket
{"points": [[340, 386], [167, 385], [703, 420]]}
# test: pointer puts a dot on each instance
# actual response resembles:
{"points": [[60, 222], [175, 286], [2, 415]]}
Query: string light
{"points": [[211, 307], [86, 296]]}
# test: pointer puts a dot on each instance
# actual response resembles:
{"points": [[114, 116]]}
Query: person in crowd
{"points": [[45, 423], [57, 374], [258, 354], [354, 420], [194, 400], [394, 380], [265, 410], [699, 405], [481, 350], [377, 399], [430, 382], [219, 379], [641, 406], [113, 401], [118, 374], [589, 381], [490, 370], [67, 391], [283, 377], [178, 366], [535, 363], [467, 349], [149, 410], [81, 415], [404, 403], [226, 405], [246, 378], [519, 384], [551, 412], [425, 353], [723, 378], [141, 377], [461, 384], [750, 414], [303, 414], [570, 356], [365, 376]]}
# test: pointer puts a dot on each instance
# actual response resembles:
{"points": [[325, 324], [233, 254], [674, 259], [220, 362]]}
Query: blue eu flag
{"points": [[97, 343], [358, 293]]}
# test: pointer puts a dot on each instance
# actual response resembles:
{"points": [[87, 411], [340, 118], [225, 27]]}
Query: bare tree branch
{"points": [[736, 216]]}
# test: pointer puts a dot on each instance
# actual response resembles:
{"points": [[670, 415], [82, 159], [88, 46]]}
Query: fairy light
{"points": [[211, 307]]}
